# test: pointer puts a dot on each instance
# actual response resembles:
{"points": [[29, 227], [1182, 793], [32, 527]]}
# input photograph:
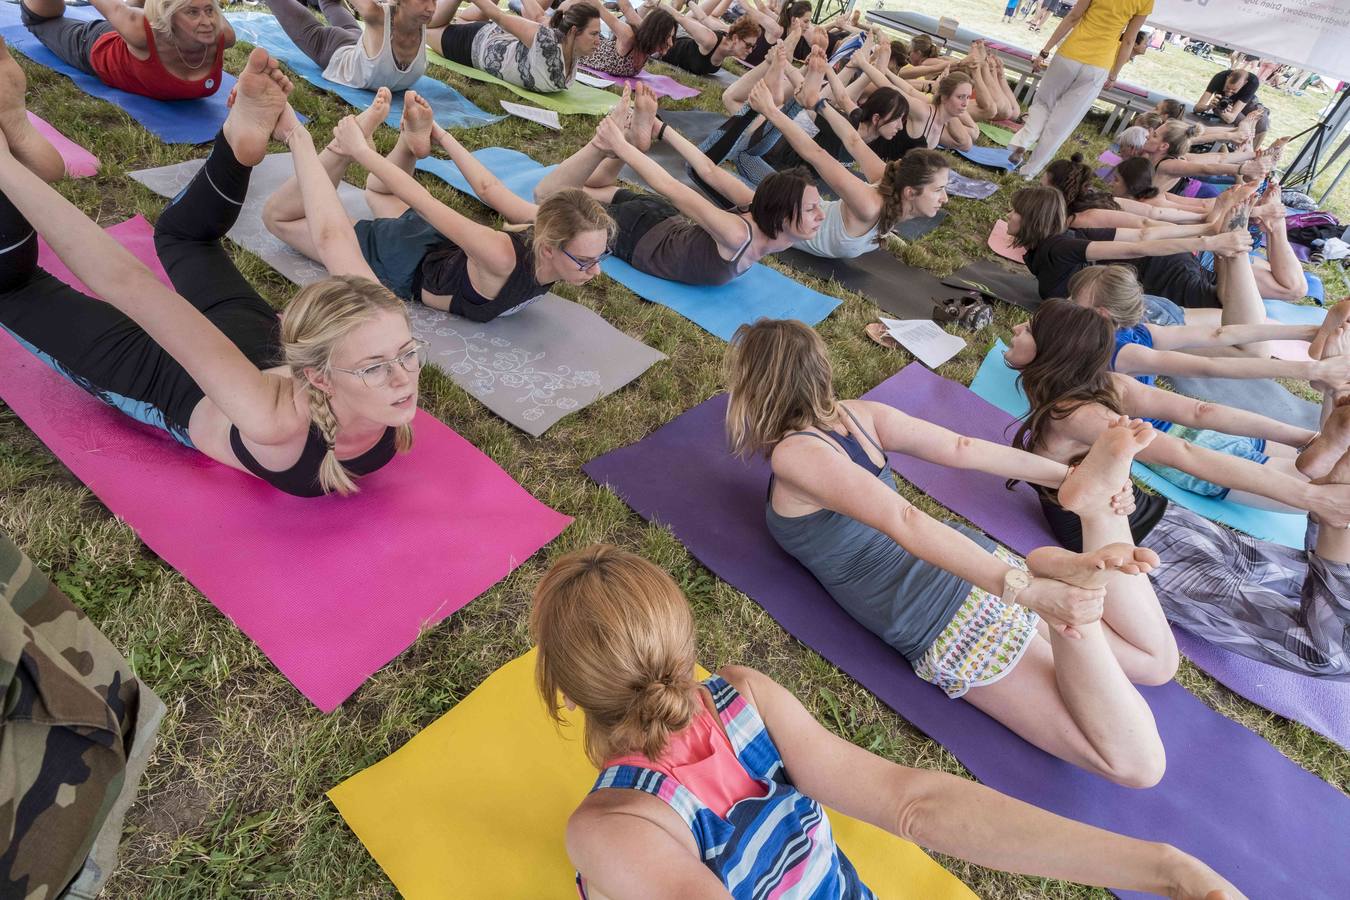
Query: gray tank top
{"points": [[349, 65], [898, 597]]}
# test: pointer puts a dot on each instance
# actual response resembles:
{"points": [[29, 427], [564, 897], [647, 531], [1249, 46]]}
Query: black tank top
{"points": [[302, 479], [902, 143], [1068, 528], [445, 272]]}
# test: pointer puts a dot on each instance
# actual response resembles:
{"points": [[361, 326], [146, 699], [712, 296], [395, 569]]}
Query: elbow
{"points": [[1204, 413], [911, 811]]}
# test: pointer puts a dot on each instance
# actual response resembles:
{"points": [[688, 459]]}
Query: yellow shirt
{"points": [[1095, 40]]}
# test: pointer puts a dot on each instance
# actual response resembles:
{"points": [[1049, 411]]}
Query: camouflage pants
{"points": [[74, 738]]}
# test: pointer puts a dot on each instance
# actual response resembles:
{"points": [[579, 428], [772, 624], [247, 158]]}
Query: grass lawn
{"points": [[233, 802]]}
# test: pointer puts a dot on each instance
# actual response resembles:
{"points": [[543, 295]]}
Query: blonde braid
{"points": [[332, 475]]}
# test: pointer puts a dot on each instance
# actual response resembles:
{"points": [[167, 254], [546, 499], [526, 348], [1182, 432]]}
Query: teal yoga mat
{"points": [[997, 383], [760, 293], [453, 109]]}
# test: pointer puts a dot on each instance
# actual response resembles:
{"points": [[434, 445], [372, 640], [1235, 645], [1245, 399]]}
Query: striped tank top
{"points": [[776, 846]]}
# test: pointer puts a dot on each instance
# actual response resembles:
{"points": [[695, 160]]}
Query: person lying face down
{"points": [[170, 50], [960, 609], [425, 251], [306, 406], [676, 755], [538, 57], [680, 235], [1285, 605], [386, 48]]}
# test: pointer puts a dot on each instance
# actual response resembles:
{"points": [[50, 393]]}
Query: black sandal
{"points": [[969, 311]]}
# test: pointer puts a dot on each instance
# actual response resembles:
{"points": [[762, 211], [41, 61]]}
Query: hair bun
{"points": [[664, 703], [1076, 158]]}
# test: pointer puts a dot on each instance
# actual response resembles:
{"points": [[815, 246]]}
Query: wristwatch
{"points": [[1014, 582], [1044, 54]]}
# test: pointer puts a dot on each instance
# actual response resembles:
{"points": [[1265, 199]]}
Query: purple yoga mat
{"points": [[1228, 797], [1015, 519], [661, 85]]}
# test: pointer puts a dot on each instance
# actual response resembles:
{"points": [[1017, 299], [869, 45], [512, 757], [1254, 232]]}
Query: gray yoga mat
{"points": [[1258, 395], [532, 368], [879, 276], [995, 280], [695, 125]]}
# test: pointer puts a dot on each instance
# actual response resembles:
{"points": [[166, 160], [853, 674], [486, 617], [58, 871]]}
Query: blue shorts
{"points": [[1241, 447], [1161, 311]]}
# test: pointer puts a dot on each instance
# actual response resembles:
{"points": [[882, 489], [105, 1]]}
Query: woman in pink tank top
{"points": [[717, 786]]}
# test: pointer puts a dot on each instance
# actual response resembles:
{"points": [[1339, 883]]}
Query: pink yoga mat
{"points": [[1001, 242], [661, 85], [1109, 160], [80, 163], [331, 589]]}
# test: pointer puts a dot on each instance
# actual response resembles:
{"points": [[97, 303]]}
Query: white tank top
{"points": [[349, 65], [833, 241]]}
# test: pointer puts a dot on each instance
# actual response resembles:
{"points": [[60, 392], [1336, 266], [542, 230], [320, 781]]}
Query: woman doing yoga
{"points": [[793, 18], [305, 404], [637, 38], [170, 50], [541, 58], [1276, 604], [718, 787], [1206, 448], [707, 43], [390, 51], [941, 118], [1133, 178], [681, 235], [1089, 206], [422, 249], [1050, 654]]}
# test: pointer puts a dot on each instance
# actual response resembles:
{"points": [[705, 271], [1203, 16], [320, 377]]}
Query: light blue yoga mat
{"points": [[172, 121], [453, 109], [997, 383], [760, 293], [1295, 313], [993, 157]]}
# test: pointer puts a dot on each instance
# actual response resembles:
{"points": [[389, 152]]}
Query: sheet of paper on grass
{"points": [[925, 339], [594, 81], [546, 117]]}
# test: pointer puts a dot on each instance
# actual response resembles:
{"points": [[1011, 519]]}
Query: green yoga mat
{"points": [[1000, 136], [578, 100]]}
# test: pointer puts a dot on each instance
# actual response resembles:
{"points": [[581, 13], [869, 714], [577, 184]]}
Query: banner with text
{"points": [[1309, 34]]}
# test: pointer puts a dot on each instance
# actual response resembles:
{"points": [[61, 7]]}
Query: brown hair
{"points": [[923, 45], [778, 200], [312, 326], [1136, 175], [1149, 120], [744, 28], [949, 83], [1043, 214], [780, 379], [1078, 183], [615, 637], [916, 170], [656, 27], [1171, 109], [1113, 288], [1072, 368]]}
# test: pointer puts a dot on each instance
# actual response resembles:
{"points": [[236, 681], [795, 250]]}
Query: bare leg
{"points": [[1284, 279], [48, 9], [414, 143], [28, 147], [256, 103]]}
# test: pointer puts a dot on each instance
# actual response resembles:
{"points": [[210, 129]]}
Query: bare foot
{"points": [[1330, 445], [287, 122], [374, 115], [256, 105], [1331, 503], [1090, 570], [28, 146], [1337, 316], [415, 128], [644, 118], [1091, 485]]}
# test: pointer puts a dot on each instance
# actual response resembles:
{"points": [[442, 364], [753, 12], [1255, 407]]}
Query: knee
{"points": [[1159, 668], [1142, 771]]}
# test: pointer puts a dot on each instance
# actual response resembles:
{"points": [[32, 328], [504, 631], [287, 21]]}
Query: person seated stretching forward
{"points": [[1051, 654], [422, 249], [171, 50], [304, 403], [681, 235], [389, 52], [717, 788]]}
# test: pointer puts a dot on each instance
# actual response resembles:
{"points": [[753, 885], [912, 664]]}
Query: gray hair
{"points": [[1134, 138]]}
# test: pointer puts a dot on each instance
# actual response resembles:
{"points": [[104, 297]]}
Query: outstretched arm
{"points": [[261, 406], [1228, 242], [330, 229], [704, 36], [1155, 403], [623, 32], [1135, 359], [127, 21], [371, 12], [486, 186], [718, 178]]}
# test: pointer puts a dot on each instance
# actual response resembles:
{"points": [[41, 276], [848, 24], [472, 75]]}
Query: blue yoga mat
{"points": [[997, 383], [761, 292], [172, 121], [993, 157], [453, 109], [1295, 313]]}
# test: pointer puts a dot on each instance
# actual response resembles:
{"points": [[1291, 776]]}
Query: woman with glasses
{"points": [[423, 250], [306, 403]]}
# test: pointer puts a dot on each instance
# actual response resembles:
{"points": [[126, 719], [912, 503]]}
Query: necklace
{"points": [[183, 59]]}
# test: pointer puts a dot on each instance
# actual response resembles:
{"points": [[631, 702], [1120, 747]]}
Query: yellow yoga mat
{"points": [[579, 99], [475, 806]]}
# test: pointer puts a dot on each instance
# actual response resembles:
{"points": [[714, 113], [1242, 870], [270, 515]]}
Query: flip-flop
{"points": [[878, 333]]}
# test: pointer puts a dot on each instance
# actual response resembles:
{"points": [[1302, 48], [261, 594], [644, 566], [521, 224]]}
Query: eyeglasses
{"points": [[584, 264], [376, 375]]}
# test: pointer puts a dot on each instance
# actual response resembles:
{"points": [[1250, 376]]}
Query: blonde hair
{"points": [[565, 215], [160, 13], [615, 637], [780, 379], [1177, 136], [314, 323], [1114, 289]]}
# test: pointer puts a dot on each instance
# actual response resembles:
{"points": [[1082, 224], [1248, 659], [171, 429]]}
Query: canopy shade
{"points": [[1307, 34]]}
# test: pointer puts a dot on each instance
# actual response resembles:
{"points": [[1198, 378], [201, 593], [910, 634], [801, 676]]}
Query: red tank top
{"points": [[111, 58]]}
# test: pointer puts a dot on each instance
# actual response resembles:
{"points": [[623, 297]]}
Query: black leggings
{"points": [[105, 352]]}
